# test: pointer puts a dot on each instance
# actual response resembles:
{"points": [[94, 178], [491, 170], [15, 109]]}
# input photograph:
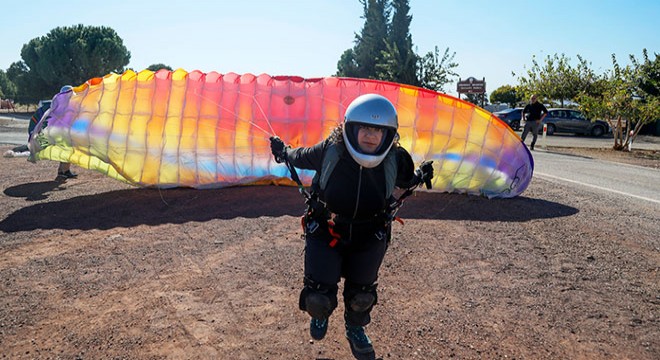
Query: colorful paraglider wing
{"points": [[169, 129]]}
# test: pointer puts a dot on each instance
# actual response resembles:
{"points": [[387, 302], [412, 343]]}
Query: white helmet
{"points": [[375, 111]]}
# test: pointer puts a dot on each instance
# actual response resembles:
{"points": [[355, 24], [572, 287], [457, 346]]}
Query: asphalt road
{"points": [[640, 183], [636, 182], [644, 142], [13, 129]]}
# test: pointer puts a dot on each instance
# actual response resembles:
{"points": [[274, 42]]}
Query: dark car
{"points": [[573, 121], [44, 102], [511, 117]]}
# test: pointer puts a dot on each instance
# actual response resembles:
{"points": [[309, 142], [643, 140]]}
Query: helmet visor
{"points": [[371, 133]]}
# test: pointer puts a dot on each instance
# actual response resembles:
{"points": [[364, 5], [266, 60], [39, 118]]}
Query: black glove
{"points": [[424, 173], [278, 149]]}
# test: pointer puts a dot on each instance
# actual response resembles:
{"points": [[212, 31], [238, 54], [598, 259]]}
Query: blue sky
{"points": [[491, 39]]}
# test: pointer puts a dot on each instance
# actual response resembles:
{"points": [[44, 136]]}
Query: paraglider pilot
{"points": [[64, 169], [348, 221]]}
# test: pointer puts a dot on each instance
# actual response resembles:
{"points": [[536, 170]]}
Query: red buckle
{"points": [[331, 231]]}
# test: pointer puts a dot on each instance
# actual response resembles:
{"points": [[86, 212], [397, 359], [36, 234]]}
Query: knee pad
{"points": [[362, 302], [319, 300], [360, 298], [318, 305]]}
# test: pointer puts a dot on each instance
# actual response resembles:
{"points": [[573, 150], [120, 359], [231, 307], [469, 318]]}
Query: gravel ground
{"points": [[95, 269]]}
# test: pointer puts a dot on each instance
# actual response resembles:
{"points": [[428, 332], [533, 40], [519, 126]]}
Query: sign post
{"points": [[472, 86]]}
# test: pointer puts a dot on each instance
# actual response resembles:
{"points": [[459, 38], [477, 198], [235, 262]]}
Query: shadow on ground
{"points": [[34, 191], [127, 208], [442, 206]]}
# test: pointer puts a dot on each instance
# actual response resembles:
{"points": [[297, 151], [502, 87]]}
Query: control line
{"points": [[596, 187]]}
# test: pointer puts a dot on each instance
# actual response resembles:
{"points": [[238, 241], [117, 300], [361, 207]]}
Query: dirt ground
{"points": [[95, 269]]}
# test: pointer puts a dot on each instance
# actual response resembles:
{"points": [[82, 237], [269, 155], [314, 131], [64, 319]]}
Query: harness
{"points": [[331, 159], [317, 214]]}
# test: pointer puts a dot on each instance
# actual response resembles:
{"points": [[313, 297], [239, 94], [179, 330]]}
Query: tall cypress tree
{"points": [[400, 63], [347, 65], [369, 44], [384, 50]]}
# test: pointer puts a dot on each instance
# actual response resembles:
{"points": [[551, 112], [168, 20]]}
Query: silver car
{"points": [[573, 121]]}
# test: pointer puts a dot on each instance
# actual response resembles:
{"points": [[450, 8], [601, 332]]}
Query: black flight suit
{"points": [[355, 197]]}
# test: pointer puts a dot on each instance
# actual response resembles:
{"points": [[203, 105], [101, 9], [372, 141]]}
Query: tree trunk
{"points": [[617, 135]]}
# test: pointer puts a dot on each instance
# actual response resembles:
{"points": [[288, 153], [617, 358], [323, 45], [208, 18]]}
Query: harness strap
{"points": [[335, 236], [331, 159], [314, 205]]}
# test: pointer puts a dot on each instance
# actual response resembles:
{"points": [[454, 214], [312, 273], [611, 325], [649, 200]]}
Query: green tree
{"points": [[555, 79], [476, 99], [370, 44], [17, 74], [649, 74], [506, 94], [67, 55], [587, 81], [434, 72], [399, 61], [7, 87], [628, 97], [385, 51], [158, 66], [347, 64]]}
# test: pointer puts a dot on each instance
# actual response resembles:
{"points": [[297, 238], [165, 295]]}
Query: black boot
{"points": [[318, 328], [359, 341]]}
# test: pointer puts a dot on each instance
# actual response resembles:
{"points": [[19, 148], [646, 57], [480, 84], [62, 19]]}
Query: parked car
{"points": [[511, 117], [573, 121], [44, 102]]}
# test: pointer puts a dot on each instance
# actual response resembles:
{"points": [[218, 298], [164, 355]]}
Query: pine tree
{"points": [[66, 55]]}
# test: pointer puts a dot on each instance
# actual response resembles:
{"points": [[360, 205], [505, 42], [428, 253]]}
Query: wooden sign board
{"points": [[471, 86]]}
